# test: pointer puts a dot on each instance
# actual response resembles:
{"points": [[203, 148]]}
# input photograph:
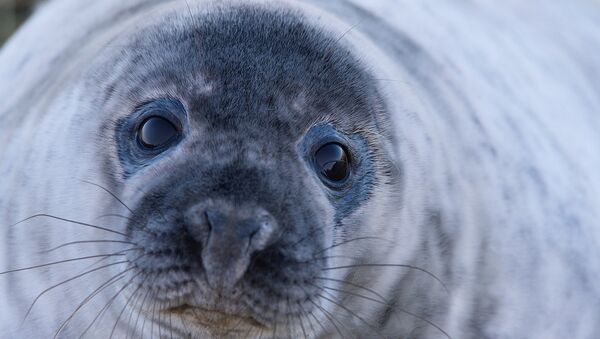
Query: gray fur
{"points": [[471, 211]]}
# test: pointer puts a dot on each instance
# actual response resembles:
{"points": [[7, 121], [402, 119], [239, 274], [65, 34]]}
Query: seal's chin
{"points": [[214, 320]]}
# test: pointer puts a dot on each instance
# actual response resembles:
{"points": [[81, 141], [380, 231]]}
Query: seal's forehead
{"points": [[251, 63]]}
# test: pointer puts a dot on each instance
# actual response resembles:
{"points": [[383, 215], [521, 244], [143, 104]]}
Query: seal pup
{"points": [[294, 169]]}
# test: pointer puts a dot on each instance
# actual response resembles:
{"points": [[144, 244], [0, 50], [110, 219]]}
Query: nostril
{"points": [[207, 217], [213, 217], [263, 234], [254, 233]]}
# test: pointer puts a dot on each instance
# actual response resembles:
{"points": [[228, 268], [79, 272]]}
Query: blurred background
{"points": [[12, 13]]}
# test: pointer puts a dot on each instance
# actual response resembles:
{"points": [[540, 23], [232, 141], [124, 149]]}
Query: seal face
{"points": [[247, 188], [241, 189]]}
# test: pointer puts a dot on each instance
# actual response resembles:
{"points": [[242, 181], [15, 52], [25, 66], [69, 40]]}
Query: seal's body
{"points": [[294, 169]]}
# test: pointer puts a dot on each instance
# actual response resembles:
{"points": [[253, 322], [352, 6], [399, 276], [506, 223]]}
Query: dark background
{"points": [[12, 13]]}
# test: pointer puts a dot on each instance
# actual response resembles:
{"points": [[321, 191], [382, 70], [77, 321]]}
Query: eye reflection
{"points": [[156, 131], [332, 162]]}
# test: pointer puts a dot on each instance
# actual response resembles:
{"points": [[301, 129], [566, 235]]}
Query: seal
{"points": [[209, 169]]}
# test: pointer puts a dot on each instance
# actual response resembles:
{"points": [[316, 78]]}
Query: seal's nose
{"points": [[228, 236]]}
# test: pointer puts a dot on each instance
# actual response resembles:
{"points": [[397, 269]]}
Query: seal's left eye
{"points": [[333, 162], [156, 131]]}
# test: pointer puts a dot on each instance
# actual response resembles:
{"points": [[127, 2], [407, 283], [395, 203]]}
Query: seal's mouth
{"points": [[215, 319]]}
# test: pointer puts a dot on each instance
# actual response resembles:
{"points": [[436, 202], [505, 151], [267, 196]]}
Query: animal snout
{"points": [[228, 236]]}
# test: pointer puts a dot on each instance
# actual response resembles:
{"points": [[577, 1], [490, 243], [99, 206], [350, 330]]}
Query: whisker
{"points": [[107, 191], [248, 333], [114, 215], [159, 323], [232, 328], [411, 334], [348, 31], [300, 321], [275, 322], [385, 303], [314, 317], [333, 42], [133, 298], [429, 322], [392, 265], [107, 283], [351, 293], [107, 305], [120, 201], [355, 285], [170, 323], [187, 3], [186, 327], [195, 21], [287, 317], [44, 215], [237, 324], [315, 259], [353, 314], [86, 242], [141, 308], [304, 313], [329, 316], [106, 258], [60, 262], [119, 252], [336, 257], [349, 241], [64, 282], [133, 309], [125, 306], [153, 316]]}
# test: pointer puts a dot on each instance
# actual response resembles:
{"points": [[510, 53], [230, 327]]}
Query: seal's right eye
{"points": [[156, 132], [333, 162]]}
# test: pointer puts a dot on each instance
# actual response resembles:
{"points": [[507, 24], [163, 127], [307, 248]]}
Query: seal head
{"points": [[250, 138]]}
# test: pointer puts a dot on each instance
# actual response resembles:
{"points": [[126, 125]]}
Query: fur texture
{"points": [[471, 211]]}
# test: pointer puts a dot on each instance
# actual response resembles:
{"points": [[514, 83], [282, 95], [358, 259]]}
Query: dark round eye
{"points": [[332, 162], [156, 131]]}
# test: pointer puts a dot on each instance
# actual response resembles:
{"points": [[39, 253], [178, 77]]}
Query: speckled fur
{"points": [[473, 126]]}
